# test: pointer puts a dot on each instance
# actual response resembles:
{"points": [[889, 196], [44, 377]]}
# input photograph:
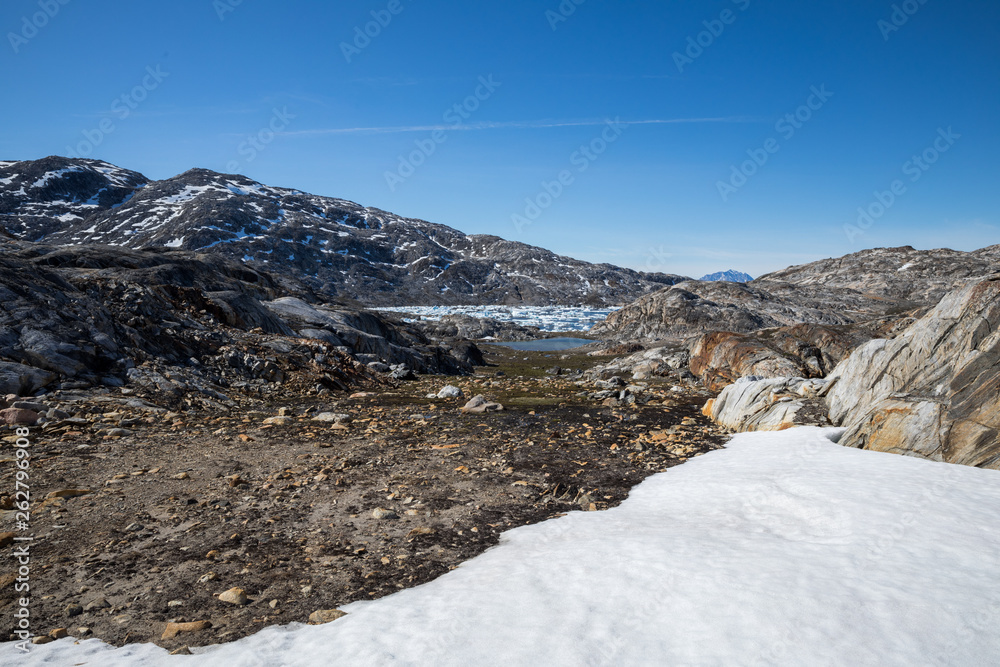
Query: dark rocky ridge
{"points": [[332, 245], [183, 322]]}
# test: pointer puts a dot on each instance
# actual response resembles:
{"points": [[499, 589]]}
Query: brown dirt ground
{"points": [[166, 526]]}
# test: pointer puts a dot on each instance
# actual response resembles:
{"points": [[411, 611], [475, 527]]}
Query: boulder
{"points": [[22, 380], [768, 404], [18, 416], [479, 404], [932, 392], [450, 391]]}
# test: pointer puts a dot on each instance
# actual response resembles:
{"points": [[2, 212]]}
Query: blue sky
{"points": [[163, 87]]}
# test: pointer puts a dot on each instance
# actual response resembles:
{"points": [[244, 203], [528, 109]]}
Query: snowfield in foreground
{"points": [[782, 549]]}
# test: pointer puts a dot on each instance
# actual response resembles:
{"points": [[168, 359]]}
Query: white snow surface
{"points": [[782, 549], [546, 318]]}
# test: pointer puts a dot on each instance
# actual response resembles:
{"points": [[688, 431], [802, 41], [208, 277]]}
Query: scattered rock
{"points": [[382, 513], [479, 404], [449, 391], [335, 417], [235, 596], [279, 421], [325, 616], [18, 416], [174, 629], [97, 604]]}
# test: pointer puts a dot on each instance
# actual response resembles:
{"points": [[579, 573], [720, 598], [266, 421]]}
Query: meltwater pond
{"points": [[545, 344]]}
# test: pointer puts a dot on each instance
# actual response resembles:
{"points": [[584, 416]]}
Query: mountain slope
{"points": [[855, 288], [333, 245], [730, 276], [44, 196]]}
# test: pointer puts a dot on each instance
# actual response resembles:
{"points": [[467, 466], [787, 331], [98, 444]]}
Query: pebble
{"points": [[174, 629], [59, 633], [279, 421], [335, 417], [326, 615], [382, 513], [99, 603], [235, 596]]}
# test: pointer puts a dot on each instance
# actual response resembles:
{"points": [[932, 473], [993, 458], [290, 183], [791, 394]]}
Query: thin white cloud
{"points": [[515, 125]]}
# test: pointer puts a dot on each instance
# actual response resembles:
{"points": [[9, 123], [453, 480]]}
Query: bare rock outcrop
{"points": [[769, 404], [932, 392], [861, 287], [805, 350]]}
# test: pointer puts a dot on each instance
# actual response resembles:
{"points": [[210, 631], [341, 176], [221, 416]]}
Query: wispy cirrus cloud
{"points": [[511, 125]]}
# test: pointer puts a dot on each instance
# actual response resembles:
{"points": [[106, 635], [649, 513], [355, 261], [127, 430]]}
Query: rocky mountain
{"points": [[40, 197], [334, 246], [730, 276], [905, 276], [189, 325], [856, 288], [931, 391]]}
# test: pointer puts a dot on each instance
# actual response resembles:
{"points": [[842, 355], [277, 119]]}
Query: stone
{"points": [[479, 404], [73, 610], [42, 639], [325, 616], [766, 404], [235, 596], [279, 421], [174, 629], [22, 380], [97, 604], [18, 416], [334, 417], [382, 513], [448, 391], [30, 405], [932, 390], [59, 633]]}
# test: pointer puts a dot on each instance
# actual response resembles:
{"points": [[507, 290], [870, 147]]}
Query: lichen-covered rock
{"points": [[935, 390]]}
